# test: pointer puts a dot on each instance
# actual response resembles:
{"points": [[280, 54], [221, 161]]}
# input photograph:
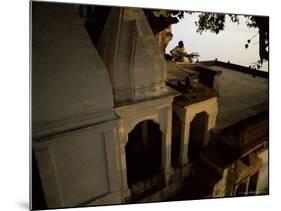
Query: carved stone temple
{"points": [[113, 122]]}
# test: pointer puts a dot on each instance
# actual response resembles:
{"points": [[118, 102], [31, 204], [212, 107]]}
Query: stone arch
{"points": [[130, 126], [198, 134], [143, 151], [210, 107]]}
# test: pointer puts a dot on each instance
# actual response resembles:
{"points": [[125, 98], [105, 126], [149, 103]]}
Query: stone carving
{"points": [[131, 54]]}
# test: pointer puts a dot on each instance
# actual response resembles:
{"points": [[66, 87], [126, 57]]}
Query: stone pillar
{"points": [[126, 193], [185, 132], [112, 163], [247, 186], [167, 144], [211, 124], [183, 158]]}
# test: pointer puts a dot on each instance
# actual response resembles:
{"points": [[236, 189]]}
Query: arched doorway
{"points": [[241, 190], [197, 136], [143, 152]]}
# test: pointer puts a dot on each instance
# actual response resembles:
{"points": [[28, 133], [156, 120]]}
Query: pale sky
{"points": [[228, 45]]}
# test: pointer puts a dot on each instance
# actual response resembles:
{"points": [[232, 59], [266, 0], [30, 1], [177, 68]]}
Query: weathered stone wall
{"points": [[78, 166], [67, 73], [73, 124]]}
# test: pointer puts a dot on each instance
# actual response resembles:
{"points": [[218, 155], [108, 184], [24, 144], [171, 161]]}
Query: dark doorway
{"points": [[253, 184], [176, 139], [241, 190], [198, 131], [143, 152]]}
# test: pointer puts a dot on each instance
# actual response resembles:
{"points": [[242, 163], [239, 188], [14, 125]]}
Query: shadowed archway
{"points": [[143, 152], [198, 134]]}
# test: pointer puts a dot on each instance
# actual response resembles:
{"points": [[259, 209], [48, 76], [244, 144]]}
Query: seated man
{"points": [[179, 53]]}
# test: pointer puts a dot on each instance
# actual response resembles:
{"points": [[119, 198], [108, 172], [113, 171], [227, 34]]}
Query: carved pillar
{"points": [[167, 144], [183, 158], [185, 132], [123, 138], [112, 163]]}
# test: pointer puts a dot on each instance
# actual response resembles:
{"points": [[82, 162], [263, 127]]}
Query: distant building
{"points": [[113, 122]]}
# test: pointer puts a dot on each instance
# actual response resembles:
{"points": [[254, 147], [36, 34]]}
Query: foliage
{"points": [[215, 22]]}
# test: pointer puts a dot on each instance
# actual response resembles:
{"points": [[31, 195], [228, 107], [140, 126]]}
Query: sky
{"points": [[228, 45]]}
